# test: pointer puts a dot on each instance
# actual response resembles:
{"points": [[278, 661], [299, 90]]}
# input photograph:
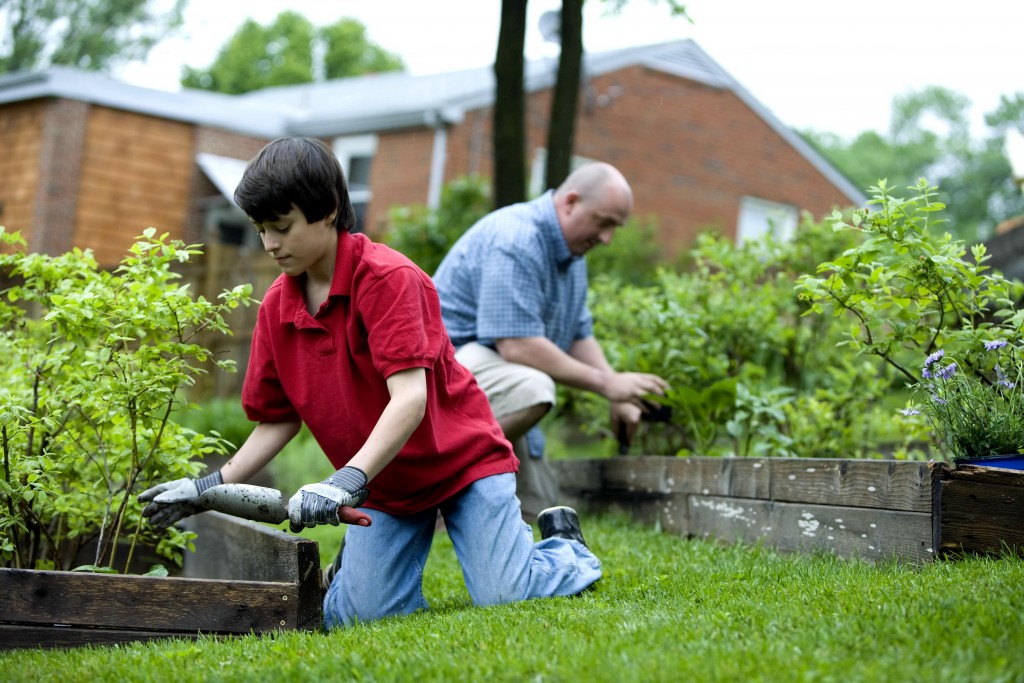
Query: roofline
{"points": [[97, 88], [431, 118], [812, 155], [262, 118]]}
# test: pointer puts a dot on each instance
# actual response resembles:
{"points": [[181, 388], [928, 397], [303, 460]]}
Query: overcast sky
{"points": [[830, 65]]}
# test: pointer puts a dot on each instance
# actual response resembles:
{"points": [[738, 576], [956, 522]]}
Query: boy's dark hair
{"points": [[295, 171]]}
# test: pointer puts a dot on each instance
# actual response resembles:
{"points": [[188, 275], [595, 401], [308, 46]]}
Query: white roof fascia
{"points": [[224, 172]]}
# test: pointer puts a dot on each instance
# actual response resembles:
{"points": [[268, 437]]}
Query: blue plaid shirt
{"points": [[512, 275]]}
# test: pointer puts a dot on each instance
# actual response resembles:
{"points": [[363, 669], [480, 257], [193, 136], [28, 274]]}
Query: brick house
{"points": [[90, 162]]}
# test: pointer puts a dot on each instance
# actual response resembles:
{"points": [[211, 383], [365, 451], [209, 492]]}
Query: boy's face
{"points": [[298, 246]]}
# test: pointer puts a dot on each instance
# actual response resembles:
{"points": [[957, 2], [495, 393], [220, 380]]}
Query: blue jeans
{"points": [[382, 565]]}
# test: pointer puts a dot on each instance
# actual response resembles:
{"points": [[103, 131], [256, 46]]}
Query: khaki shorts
{"points": [[510, 387]]}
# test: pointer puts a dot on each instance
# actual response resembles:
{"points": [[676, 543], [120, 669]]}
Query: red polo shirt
{"points": [[329, 370]]}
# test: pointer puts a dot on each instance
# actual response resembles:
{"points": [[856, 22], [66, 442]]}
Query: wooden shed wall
{"points": [[20, 140], [135, 174]]}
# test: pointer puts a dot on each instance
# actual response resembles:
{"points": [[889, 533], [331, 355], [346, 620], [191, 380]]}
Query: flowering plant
{"points": [[977, 408]]}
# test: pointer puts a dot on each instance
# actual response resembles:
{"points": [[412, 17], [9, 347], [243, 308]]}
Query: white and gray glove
{"points": [[175, 500], [315, 504]]}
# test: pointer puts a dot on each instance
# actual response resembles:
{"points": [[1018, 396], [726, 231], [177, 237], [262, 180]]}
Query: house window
{"points": [[760, 217], [356, 152]]}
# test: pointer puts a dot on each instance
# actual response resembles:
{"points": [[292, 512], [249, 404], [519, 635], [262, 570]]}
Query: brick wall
{"points": [[400, 174], [690, 151]]}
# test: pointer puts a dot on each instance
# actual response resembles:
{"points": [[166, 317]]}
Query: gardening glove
{"points": [[318, 503], [176, 499]]}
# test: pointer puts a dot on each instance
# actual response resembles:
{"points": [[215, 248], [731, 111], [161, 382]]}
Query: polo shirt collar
{"points": [[293, 307]]}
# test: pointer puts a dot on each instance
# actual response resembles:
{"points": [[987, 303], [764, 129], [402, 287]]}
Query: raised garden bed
{"points": [[242, 578], [872, 509]]}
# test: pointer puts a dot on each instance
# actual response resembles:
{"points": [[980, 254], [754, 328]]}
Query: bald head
{"points": [[595, 179], [593, 201]]}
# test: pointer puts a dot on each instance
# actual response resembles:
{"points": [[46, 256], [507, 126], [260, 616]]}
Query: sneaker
{"points": [[332, 569], [560, 522]]}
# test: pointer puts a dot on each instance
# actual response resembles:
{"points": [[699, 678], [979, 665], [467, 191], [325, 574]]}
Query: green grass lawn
{"points": [[667, 609]]}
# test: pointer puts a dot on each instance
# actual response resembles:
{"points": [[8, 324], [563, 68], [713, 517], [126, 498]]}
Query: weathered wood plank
{"points": [[641, 474], [846, 532], [986, 475], [740, 477], [978, 516], [578, 475], [880, 484], [146, 602], [228, 547], [20, 636]]}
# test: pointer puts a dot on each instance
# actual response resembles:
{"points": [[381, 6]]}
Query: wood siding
{"points": [[136, 172], [20, 140]]}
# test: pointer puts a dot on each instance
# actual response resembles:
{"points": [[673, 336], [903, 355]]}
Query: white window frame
{"points": [[349, 146], [760, 217]]}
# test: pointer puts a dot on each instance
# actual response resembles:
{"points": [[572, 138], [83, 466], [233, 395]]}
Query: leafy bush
{"points": [[95, 365], [633, 256], [425, 235], [905, 292], [750, 373]]}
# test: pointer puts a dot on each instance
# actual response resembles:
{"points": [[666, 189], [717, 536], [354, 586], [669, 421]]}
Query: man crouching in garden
{"points": [[349, 340]]}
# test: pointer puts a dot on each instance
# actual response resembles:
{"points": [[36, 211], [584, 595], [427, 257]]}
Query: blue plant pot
{"points": [[1006, 462]]}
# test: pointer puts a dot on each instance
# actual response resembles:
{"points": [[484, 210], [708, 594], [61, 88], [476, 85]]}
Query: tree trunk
{"points": [[510, 107], [562, 125]]}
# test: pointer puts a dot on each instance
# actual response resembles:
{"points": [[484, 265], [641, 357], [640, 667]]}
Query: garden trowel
{"points": [[262, 504]]}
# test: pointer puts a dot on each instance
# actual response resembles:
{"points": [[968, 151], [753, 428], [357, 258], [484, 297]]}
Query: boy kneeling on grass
{"points": [[349, 340]]}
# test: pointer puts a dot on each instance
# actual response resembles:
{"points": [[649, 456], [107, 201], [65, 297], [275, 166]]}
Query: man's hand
{"points": [[315, 504], [175, 500]]}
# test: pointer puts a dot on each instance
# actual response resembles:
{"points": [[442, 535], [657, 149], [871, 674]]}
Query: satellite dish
{"points": [[551, 26]]}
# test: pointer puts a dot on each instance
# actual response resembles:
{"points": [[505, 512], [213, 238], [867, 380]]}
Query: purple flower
{"points": [[934, 357], [946, 372], [938, 401], [1002, 379], [910, 411], [993, 345]]}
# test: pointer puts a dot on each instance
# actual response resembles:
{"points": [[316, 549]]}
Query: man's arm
{"points": [[586, 368]]}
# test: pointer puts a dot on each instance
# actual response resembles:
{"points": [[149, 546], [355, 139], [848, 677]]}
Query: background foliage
{"points": [[929, 136], [88, 34], [290, 50]]}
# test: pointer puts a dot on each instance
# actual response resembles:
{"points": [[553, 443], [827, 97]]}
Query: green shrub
{"points": [[633, 256], [750, 373], [425, 235], [95, 364], [906, 291]]}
